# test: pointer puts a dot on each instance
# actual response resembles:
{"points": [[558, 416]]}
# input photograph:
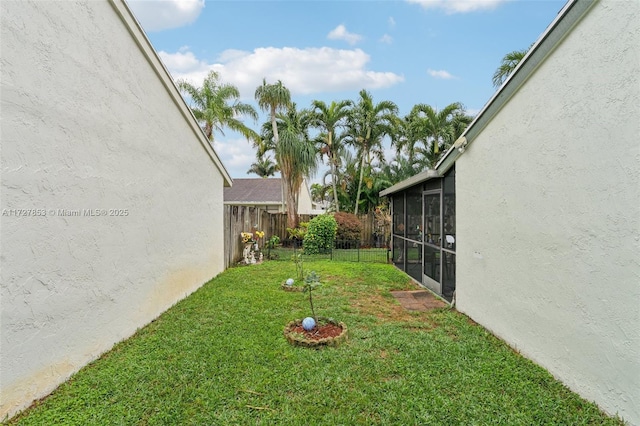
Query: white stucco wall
{"points": [[305, 206], [88, 124], [548, 214]]}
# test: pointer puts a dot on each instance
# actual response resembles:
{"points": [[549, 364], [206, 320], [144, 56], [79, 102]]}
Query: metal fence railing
{"points": [[346, 251]]}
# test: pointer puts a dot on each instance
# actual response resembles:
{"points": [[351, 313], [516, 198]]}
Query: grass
{"points": [[219, 358]]}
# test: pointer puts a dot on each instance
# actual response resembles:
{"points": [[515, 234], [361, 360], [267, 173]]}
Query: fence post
{"points": [[358, 246]]}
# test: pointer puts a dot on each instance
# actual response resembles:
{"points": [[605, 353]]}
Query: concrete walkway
{"points": [[418, 300]]}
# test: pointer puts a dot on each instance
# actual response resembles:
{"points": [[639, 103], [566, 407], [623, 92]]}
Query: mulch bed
{"points": [[327, 332]]}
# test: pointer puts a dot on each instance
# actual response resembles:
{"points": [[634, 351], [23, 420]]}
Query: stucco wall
{"points": [[305, 206], [88, 124], [548, 214]]}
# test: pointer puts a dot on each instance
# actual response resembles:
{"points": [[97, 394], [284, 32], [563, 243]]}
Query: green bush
{"points": [[348, 226], [320, 235]]}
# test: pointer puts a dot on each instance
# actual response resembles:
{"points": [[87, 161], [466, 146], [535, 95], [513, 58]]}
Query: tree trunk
{"points": [[276, 139], [360, 184], [334, 184], [292, 209], [333, 172]]}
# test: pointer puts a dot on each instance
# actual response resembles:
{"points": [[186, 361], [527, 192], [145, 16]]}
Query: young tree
{"points": [[216, 105]]}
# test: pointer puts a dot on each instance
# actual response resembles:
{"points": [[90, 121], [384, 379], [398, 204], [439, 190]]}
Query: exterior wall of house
{"points": [[305, 206], [548, 214], [88, 129]]}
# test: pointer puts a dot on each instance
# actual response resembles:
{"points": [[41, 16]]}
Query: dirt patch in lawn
{"points": [[418, 300]]}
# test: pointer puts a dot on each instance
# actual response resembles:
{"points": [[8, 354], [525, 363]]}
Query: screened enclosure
{"points": [[424, 232]]}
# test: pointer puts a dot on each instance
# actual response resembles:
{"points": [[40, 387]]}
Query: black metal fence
{"points": [[346, 251]]}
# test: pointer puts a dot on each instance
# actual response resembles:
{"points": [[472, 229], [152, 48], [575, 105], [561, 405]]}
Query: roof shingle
{"points": [[254, 190]]}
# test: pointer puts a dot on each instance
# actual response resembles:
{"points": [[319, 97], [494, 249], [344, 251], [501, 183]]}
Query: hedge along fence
{"points": [[276, 224], [239, 219]]}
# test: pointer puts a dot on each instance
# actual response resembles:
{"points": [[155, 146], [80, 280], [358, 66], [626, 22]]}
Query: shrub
{"points": [[320, 235], [298, 233], [348, 226]]}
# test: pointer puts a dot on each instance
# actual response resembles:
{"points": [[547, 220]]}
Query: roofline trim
{"points": [[571, 13]]}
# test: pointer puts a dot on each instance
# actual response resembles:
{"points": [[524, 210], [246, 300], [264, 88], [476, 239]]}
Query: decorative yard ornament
{"points": [[308, 323]]}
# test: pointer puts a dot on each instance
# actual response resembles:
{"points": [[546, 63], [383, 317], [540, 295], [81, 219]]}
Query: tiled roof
{"points": [[254, 191]]}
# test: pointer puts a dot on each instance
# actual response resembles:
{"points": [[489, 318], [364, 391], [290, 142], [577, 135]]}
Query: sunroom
{"points": [[423, 235]]}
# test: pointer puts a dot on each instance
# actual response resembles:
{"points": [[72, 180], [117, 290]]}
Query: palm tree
{"points": [[263, 167], [318, 192], [328, 119], [295, 154], [435, 130], [367, 124], [509, 63], [401, 167], [216, 105], [347, 181], [272, 98]]}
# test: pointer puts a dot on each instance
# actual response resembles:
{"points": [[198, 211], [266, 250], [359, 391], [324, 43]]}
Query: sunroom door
{"points": [[432, 241]]}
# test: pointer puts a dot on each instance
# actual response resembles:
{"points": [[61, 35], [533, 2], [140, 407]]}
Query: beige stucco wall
{"points": [[548, 214], [87, 124]]}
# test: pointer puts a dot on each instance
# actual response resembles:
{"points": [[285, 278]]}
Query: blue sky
{"points": [[434, 51]]}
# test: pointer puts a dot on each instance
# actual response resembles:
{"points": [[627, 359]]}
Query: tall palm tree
{"points": [[273, 98], [263, 167], [216, 105], [367, 124], [509, 63], [295, 154], [328, 118]]}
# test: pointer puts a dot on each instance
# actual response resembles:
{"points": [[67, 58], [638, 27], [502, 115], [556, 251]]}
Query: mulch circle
{"points": [[286, 287], [328, 332]]}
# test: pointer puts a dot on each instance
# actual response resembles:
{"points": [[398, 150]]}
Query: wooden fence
{"points": [[239, 219]]}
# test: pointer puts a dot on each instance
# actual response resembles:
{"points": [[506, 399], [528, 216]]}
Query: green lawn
{"points": [[219, 358]]}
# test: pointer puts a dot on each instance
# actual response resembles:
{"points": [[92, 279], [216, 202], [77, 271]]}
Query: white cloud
{"points": [[442, 74], [237, 155], [458, 6], [303, 71], [158, 15], [386, 39], [392, 22], [340, 33]]}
